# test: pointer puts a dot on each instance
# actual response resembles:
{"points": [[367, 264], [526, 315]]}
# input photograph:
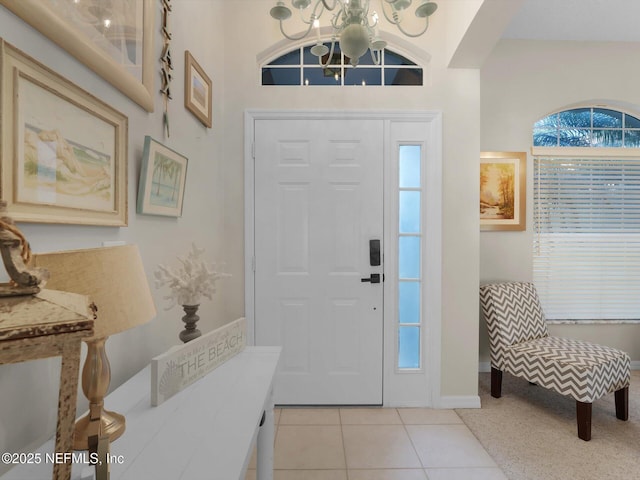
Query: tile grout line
{"points": [[413, 445], [344, 445]]}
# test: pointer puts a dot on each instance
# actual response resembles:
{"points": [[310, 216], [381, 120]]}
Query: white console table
{"points": [[206, 431]]}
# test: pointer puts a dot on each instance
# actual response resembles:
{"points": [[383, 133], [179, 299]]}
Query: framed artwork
{"points": [[64, 152], [162, 180], [114, 39], [503, 190], [197, 91]]}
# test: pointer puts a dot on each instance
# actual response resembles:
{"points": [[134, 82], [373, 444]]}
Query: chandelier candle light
{"points": [[188, 284], [353, 26]]}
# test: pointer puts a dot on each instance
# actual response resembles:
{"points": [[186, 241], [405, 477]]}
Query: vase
{"points": [[190, 331]]}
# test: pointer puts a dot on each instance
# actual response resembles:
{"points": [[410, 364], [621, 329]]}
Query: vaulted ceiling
{"points": [[578, 20], [571, 20]]}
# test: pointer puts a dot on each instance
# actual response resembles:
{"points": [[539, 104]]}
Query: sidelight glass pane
{"points": [[409, 302], [409, 166], [409, 212], [409, 347], [409, 257]]}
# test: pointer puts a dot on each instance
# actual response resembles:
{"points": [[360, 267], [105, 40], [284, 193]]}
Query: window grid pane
{"points": [[409, 347], [409, 303], [409, 257], [410, 166], [409, 211]]}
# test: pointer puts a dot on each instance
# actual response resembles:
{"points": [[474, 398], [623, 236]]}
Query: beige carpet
{"points": [[531, 433]]}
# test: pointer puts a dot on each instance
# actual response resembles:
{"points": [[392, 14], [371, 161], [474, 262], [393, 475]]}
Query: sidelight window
{"points": [[409, 257]]}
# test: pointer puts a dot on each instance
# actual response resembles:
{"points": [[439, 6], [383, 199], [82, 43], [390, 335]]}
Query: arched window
{"points": [[587, 127], [301, 67], [586, 246]]}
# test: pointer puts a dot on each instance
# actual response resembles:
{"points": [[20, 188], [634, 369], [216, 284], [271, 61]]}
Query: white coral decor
{"points": [[193, 280]]}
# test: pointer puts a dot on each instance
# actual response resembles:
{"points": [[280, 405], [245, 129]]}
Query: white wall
{"points": [[523, 81], [29, 390], [214, 210], [454, 92]]}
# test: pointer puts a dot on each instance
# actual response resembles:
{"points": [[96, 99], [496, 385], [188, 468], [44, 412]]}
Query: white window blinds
{"points": [[586, 259]]}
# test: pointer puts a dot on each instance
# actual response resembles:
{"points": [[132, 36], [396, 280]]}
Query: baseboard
{"points": [[485, 367], [403, 404], [459, 401]]}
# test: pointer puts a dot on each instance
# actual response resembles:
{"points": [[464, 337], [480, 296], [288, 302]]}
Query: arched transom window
{"points": [[301, 67], [587, 127]]}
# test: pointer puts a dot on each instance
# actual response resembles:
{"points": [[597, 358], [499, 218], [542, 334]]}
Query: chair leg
{"points": [[496, 382], [583, 411], [622, 403]]}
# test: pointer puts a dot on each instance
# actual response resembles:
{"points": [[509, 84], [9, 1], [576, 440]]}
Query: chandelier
{"points": [[353, 26]]}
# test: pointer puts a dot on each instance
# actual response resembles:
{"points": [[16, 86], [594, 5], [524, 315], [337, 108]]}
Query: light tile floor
{"points": [[376, 444]]}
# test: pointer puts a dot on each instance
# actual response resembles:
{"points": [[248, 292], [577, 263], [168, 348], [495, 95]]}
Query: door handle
{"points": [[374, 278]]}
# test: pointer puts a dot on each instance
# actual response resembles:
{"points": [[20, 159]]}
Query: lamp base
{"points": [[111, 424]]}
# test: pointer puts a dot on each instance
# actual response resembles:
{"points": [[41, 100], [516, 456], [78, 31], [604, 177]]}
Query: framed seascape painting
{"points": [[64, 152], [162, 180], [197, 90], [502, 190], [113, 38]]}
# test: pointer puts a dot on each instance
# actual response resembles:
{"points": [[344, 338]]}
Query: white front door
{"points": [[318, 203]]}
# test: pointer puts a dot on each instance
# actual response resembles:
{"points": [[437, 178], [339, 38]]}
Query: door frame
{"points": [[419, 388]]}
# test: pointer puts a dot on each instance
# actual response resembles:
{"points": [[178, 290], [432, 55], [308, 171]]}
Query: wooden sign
{"points": [[178, 368]]}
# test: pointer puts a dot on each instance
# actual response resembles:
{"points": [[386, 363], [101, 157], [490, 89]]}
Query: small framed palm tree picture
{"points": [[162, 180]]}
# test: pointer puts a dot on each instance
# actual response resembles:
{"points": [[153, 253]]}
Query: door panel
{"points": [[318, 202]]}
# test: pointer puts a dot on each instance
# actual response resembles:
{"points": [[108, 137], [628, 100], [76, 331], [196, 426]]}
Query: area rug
{"points": [[531, 433]]}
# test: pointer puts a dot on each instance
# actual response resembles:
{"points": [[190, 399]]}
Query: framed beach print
{"points": [[197, 90], [162, 180], [502, 190], [64, 152], [113, 38]]}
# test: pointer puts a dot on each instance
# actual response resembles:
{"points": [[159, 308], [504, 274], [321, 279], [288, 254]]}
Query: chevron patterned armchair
{"points": [[520, 344]]}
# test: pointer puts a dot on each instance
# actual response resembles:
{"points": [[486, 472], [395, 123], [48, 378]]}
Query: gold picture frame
{"points": [[503, 196], [64, 152], [105, 50], [197, 90]]}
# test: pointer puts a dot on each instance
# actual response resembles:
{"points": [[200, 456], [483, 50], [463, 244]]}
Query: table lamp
{"points": [[114, 280]]}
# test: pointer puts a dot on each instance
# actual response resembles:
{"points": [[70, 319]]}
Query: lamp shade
{"points": [[112, 277]]}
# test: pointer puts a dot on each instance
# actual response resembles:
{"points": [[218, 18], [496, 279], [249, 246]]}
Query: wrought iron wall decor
{"points": [[167, 67]]}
